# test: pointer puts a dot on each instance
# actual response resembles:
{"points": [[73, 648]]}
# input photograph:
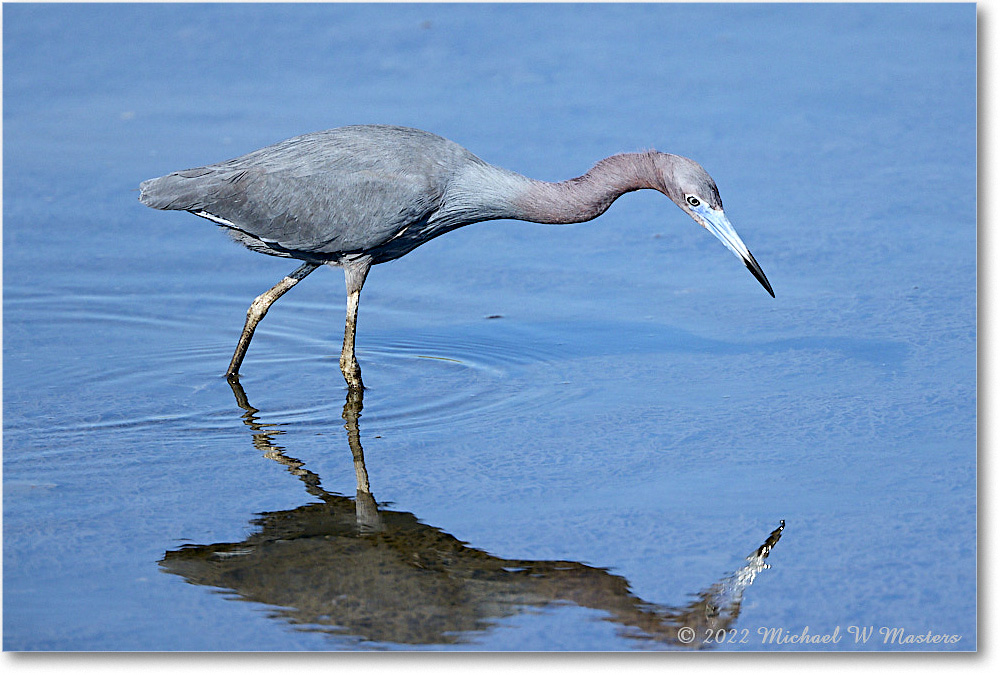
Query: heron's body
{"points": [[362, 195]]}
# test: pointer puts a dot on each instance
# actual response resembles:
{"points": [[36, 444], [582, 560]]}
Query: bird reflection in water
{"points": [[348, 568]]}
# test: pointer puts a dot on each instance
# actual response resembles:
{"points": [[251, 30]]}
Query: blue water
{"points": [[594, 469]]}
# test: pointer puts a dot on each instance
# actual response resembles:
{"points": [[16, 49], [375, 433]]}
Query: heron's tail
{"points": [[180, 190]]}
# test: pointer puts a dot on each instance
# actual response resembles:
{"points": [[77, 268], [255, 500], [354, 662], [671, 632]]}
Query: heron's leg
{"points": [[259, 307], [354, 275]]}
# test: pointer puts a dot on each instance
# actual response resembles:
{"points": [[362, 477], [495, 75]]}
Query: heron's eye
{"points": [[692, 200]]}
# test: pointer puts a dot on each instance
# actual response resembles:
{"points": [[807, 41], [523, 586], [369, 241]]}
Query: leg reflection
{"points": [[264, 436], [367, 511]]}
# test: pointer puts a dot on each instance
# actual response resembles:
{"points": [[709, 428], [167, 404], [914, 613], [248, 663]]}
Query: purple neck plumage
{"points": [[584, 198]]}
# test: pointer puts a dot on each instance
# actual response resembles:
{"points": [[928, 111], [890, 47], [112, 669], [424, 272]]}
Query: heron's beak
{"points": [[715, 221]]}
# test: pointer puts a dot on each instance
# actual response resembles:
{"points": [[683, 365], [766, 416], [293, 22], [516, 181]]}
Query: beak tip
{"points": [[758, 274]]}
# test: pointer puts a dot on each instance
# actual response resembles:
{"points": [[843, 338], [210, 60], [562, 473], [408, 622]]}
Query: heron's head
{"points": [[690, 187]]}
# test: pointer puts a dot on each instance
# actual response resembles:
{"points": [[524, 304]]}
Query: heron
{"points": [[356, 196]]}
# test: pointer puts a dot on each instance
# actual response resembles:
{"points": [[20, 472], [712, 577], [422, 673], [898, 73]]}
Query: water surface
{"points": [[573, 438]]}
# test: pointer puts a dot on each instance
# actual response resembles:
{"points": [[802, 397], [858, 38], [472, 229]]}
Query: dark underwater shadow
{"points": [[352, 569]]}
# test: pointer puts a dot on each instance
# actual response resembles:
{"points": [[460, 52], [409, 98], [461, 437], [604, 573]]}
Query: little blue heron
{"points": [[360, 195]]}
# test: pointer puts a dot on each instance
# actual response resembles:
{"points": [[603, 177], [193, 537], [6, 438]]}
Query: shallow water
{"points": [[573, 438]]}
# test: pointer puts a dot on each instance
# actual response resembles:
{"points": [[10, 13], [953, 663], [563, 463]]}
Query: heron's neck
{"points": [[590, 195]]}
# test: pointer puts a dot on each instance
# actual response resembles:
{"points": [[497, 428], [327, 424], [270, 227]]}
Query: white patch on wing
{"points": [[398, 234], [215, 219]]}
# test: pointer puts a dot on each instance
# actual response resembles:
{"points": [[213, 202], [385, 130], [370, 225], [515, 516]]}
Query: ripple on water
{"points": [[104, 362], [460, 376], [159, 361]]}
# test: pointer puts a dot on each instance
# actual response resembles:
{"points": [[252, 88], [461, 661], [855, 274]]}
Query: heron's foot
{"points": [[352, 373]]}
